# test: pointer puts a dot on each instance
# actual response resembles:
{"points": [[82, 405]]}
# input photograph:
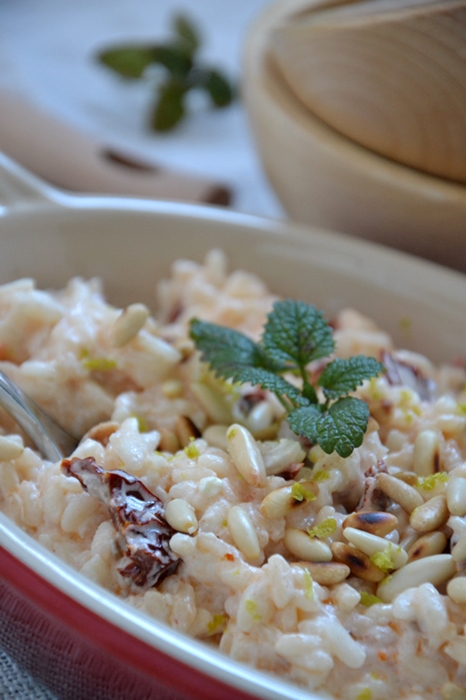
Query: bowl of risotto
{"points": [[200, 542]]}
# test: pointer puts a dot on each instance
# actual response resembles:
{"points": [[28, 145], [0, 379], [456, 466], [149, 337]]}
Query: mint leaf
{"points": [[187, 32], [176, 59], [270, 381], [169, 107], [128, 61], [296, 333], [217, 86], [340, 429], [342, 376], [226, 350]]}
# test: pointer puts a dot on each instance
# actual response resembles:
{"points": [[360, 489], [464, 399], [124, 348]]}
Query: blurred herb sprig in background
{"points": [[178, 58]]}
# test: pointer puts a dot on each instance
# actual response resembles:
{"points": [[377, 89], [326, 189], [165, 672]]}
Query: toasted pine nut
{"points": [[216, 435], [10, 448], [359, 563], [456, 496], [427, 545], [426, 458], [168, 441], [243, 532], [185, 430], [435, 570], [459, 550], [278, 503], [451, 691], [376, 522], [326, 573], [280, 457], [128, 324], [246, 456], [102, 431], [456, 589], [371, 544], [431, 515], [401, 493], [181, 516], [301, 545]]}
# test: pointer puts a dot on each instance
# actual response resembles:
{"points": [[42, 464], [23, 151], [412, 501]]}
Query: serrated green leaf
{"points": [[218, 87], [340, 429], [128, 61], [187, 32], [342, 376], [233, 355], [169, 107], [296, 333]]}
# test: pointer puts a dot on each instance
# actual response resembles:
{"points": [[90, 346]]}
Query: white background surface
{"points": [[46, 54]]}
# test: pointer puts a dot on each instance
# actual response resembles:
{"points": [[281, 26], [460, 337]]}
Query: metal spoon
{"points": [[51, 440]]}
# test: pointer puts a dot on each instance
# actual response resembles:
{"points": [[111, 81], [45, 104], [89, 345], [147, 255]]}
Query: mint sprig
{"points": [[294, 335], [178, 57]]}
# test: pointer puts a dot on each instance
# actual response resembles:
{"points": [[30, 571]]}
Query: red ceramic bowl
{"points": [[79, 640]]}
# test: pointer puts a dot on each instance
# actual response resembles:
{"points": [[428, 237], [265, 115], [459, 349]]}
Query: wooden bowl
{"points": [[391, 76], [325, 179]]}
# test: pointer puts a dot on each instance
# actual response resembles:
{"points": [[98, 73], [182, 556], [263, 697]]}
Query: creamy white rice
{"points": [[145, 404]]}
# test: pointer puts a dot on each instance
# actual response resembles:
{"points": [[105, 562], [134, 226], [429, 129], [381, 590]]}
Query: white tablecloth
{"points": [[46, 54]]}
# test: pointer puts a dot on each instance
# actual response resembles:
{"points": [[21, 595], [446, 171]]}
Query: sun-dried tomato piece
{"points": [[138, 516], [400, 373]]}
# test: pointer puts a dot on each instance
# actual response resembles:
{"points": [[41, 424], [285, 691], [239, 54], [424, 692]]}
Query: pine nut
{"points": [[431, 515], [435, 570], [359, 563], [401, 493], [279, 458], [185, 430], [216, 435], [456, 496], [181, 516], [426, 457], [213, 403], [451, 691], [371, 544], [243, 532], [168, 441], [246, 456], [10, 448], [278, 503], [128, 324], [172, 388], [260, 417], [310, 549], [459, 550], [102, 431], [326, 573], [456, 589], [376, 522], [427, 545], [410, 478]]}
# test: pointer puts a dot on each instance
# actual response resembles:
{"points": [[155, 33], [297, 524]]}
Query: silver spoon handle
{"points": [[49, 438]]}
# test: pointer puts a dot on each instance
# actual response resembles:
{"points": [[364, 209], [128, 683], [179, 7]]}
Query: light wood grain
{"points": [[391, 75], [325, 179]]}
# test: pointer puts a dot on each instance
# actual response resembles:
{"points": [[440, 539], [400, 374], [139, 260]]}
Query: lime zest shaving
{"points": [[326, 528], [217, 623], [191, 450], [428, 483], [368, 599], [251, 609], [301, 493], [365, 694], [384, 560], [143, 425], [308, 585], [320, 475], [99, 364]]}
